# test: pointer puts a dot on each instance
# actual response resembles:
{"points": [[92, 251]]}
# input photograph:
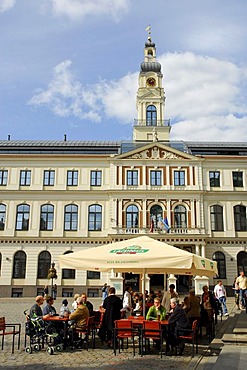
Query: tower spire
{"points": [[149, 32]]}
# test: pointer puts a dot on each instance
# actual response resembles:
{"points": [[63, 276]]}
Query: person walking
{"points": [[127, 301], [104, 292], [220, 294], [242, 283], [167, 297], [235, 287]]}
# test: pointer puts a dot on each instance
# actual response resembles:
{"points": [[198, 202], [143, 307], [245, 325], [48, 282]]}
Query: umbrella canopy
{"points": [[138, 254]]}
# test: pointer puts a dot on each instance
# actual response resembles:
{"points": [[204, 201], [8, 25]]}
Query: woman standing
{"points": [[127, 301]]}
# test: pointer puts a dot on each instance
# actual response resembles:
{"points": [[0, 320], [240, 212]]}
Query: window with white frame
{"points": [[72, 178], [22, 217], [214, 178], [3, 177], [155, 178], [237, 178], [46, 217], [70, 217], [95, 217], [179, 178], [25, 178], [216, 213], [132, 177], [49, 177], [96, 178], [2, 216]]}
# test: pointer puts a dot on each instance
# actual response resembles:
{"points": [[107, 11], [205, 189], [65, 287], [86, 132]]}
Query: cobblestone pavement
{"points": [[100, 358]]}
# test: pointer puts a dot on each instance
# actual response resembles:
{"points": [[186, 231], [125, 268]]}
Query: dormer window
{"points": [[151, 115]]}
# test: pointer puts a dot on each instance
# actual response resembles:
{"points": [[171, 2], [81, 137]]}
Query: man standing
{"points": [[242, 283], [112, 305], [87, 303], [220, 294], [167, 297]]}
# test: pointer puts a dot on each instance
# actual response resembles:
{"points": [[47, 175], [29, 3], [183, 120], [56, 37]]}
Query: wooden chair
{"points": [[190, 335], [123, 330], [151, 330], [89, 332], [10, 329]]}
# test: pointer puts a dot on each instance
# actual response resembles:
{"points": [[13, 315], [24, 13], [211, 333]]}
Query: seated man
{"points": [[87, 304], [156, 312], [178, 321], [36, 310]]}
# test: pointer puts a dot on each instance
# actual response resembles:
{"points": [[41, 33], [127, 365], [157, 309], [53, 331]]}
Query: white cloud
{"points": [[77, 9], [6, 5], [205, 97]]}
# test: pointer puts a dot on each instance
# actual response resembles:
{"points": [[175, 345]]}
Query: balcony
{"points": [[152, 123], [146, 231]]}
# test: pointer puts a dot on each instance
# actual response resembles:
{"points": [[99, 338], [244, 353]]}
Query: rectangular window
{"points": [[93, 275], [3, 177], [49, 178], [214, 178], [96, 178], [132, 178], [17, 292], [155, 178], [25, 178], [93, 292], [67, 292], [72, 178], [179, 178], [237, 178]]}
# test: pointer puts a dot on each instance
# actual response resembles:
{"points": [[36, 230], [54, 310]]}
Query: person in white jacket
{"points": [[220, 294], [127, 301]]}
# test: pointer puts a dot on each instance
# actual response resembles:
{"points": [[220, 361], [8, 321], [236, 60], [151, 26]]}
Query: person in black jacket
{"points": [[178, 321], [112, 305], [87, 303]]}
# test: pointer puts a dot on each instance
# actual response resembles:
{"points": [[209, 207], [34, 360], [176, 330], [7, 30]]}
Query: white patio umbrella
{"points": [[139, 255], [143, 255]]}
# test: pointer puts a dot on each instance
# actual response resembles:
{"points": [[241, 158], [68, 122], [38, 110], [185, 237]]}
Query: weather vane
{"points": [[149, 32]]}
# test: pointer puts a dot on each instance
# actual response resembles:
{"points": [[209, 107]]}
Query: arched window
{"points": [[242, 262], [155, 214], [22, 217], [151, 115], [216, 213], [19, 265], [132, 216], [180, 217], [2, 216], [44, 263], [70, 217], [46, 217], [219, 257], [68, 273], [95, 217], [240, 219]]}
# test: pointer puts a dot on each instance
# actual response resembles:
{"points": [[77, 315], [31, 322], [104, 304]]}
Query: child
{"points": [[64, 311]]}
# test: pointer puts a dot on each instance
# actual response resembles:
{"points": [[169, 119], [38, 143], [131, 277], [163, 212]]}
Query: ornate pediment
{"points": [[155, 153]]}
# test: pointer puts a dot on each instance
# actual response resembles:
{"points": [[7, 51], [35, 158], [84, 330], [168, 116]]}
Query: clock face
{"points": [[151, 81]]}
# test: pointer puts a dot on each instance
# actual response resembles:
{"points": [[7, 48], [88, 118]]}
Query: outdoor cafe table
{"points": [[57, 319]]}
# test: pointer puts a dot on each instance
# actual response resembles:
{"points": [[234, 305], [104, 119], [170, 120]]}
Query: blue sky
{"points": [[71, 66]]}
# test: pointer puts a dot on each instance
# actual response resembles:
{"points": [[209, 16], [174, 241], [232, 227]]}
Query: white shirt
{"points": [[219, 291]]}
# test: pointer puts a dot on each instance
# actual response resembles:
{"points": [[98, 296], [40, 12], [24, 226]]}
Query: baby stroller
{"points": [[40, 333]]}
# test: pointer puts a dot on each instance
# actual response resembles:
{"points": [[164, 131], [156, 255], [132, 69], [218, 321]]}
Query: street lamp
{"points": [[52, 274]]}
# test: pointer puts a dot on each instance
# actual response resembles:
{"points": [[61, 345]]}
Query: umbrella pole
{"points": [[143, 292]]}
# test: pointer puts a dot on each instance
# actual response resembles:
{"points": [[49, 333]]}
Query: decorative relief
{"points": [[156, 153]]}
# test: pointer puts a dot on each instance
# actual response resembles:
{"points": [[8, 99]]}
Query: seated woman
{"points": [[49, 309]]}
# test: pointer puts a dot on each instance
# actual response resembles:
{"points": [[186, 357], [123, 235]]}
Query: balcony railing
{"points": [[151, 122], [146, 230]]}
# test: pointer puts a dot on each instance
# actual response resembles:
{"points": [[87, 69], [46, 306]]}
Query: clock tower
{"points": [[150, 124]]}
